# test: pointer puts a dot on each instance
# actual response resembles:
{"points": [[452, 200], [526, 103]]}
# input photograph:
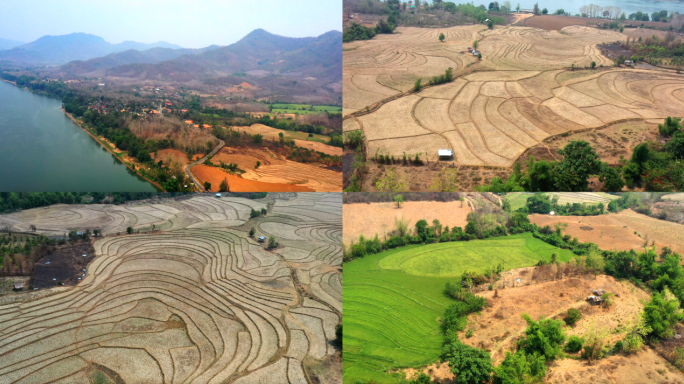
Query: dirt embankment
{"points": [[379, 218]]}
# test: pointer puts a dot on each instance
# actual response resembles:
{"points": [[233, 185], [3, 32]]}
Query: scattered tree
{"points": [[399, 200], [572, 317], [223, 187]]}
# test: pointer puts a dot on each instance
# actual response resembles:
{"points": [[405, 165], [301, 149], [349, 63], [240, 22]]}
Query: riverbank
{"points": [[105, 146]]}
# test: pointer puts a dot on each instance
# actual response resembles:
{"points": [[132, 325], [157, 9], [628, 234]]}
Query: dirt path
{"points": [[188, 169]]}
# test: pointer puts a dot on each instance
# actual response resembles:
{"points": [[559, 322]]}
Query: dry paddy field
{"points": [[196, 302], [274, 169], [378, 218], [622, 231], [521, 94]]}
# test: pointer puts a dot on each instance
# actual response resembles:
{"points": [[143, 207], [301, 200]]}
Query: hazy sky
{"points": [[190, 24]]}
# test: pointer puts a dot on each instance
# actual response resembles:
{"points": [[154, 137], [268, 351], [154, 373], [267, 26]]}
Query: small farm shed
{"points": [[218, 195], [475, 53], [261, 239], [594, 300], [445, 153], [18, 286], [628, 63]]}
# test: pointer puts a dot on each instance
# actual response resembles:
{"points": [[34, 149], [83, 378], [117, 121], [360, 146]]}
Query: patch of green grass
{"points": [[453, 258], [100, 378], [518, 199], [391, 317]]}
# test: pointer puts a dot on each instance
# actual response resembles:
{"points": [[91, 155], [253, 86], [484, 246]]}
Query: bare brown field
{"points": [[519, 96], [611, 143], [237, 184], [644, 33], [246, 158], [555, 22], [616, 230], [645, 366], [319, 147], [197, 300], [498, 326], [378, 218], [171, 155], [276, 170]]}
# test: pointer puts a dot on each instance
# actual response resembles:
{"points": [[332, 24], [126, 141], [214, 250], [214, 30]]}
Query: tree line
{"points": [[654, 166]]}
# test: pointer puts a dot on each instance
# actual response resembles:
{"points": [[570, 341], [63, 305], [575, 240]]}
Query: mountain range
{"points": [[259, 54], [62, 49], [9, 44]]}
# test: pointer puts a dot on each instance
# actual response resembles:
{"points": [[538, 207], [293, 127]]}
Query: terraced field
{"points": [[197, 302], [393, 300], [521, 93]]}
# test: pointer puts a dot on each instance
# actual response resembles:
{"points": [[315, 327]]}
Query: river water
{"points": [[573, 6], [42, 150]]}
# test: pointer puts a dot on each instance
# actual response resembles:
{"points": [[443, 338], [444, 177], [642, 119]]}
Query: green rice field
{"points": [[393, 300]]}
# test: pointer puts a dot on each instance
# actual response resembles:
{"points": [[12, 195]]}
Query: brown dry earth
{"points": [[616, 230], [199, 301], [276, 170], [521, 94], [378, 218], [612, 143], [169, 155], [645, 366], [237, 184], [498, 326]]}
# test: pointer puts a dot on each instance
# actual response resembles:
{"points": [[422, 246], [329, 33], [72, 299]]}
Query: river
{"points": [[573, 6], [42, 150]]}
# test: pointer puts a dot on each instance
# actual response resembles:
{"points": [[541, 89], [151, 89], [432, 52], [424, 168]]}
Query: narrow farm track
{"points": [[522, 93], [188, 168], [196, 302]]}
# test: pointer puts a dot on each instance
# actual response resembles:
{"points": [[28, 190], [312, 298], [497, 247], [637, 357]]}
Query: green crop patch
{"points": [[393, 301]]}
